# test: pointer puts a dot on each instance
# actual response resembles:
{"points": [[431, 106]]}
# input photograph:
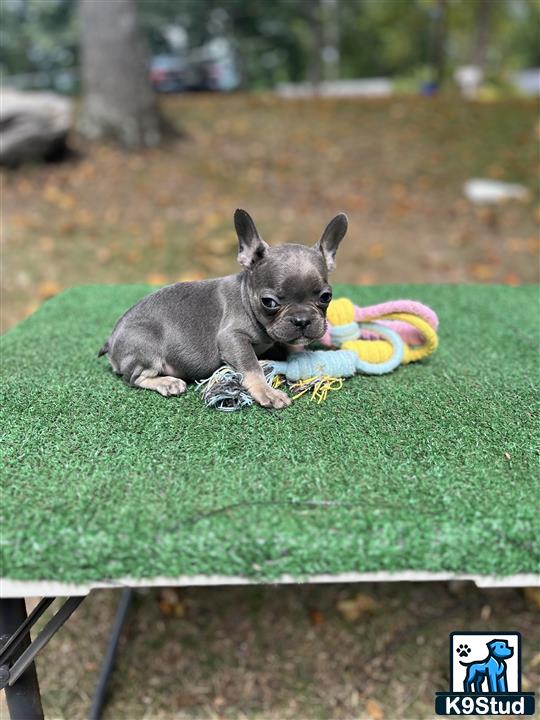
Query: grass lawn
{"points": [[396, 166], [278, 653]]}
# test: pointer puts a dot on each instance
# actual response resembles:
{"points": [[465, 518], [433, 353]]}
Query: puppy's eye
{"points": [[325, 298], [269, 303]]}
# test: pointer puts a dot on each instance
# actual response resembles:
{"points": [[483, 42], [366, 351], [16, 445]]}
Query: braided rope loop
{"points": [[335, 363], [342, 333], [341, 312], [431, 340], [371, 350]]}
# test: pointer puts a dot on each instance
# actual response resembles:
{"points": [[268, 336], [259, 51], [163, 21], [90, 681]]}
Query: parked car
{"points": [[169, 73], [209, 68]]}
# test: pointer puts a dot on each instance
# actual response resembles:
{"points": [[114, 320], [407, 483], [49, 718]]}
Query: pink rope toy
{"points": [[370, 313]]}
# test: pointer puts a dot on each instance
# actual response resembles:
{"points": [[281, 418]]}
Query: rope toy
{"points": [[372, 340]]}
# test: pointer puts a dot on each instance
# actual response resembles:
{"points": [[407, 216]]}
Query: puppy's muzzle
{"points": [[300, 321]]}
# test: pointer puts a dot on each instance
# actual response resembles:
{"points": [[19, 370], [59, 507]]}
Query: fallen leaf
{"points": [[360, 604], [481, 271], [191, 276], [46, 244], [157, 227], [111, 215], [67, 227], [133, 256], [533, 245], [495, 171], [399, 191], [532, 595], [24, 221], [59, 198], [367, 279], [485, 612], [103, 255], [166, 200], [511, 279], [83, 217], [516, 245], [374, 710], [157, 279], [170, 603], [376, 251], [31, 308], [213, 264], [48, 289], [212, 221], [424, 182], [24, 186], [316, 617]]}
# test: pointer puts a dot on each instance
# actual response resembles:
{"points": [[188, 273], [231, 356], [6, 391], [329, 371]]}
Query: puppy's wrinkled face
{"points": [[291, 294], [289, 285]]}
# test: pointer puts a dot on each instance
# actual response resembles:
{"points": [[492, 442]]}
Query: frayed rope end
{"points": [[224, 390]]}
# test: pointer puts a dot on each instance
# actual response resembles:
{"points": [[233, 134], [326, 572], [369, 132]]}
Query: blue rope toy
{"points": [[373, 340], [320, 370]]}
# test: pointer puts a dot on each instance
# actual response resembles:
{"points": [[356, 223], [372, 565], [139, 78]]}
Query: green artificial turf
{"points": [[431, 468]]}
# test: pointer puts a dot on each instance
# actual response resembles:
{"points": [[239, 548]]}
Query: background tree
{"points": [[482, 31], [274, 41], [118, 100]]}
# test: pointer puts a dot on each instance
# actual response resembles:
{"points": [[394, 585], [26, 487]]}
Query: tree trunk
{"points": [[439, 41], [118, 100], [315, 66], [481, 36], [331, 32]]}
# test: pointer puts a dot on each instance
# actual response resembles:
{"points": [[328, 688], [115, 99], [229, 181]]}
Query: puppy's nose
{"points": [[301, 322]]}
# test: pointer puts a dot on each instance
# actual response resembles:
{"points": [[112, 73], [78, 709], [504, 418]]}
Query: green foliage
{"points": [[37, 35], [281, 40]]}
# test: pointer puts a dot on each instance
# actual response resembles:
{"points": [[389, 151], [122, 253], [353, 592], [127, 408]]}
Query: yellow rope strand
{"points": [[320, 387]]}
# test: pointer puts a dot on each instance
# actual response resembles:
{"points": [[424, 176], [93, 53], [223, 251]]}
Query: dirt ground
{"points": [[362, 652], [397, 167]]}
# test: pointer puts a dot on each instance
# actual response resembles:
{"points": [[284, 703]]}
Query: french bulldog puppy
{"points": [[187, 330]]}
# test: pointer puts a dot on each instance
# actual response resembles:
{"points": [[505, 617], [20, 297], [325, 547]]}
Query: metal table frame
{"points": [[18, 676]]}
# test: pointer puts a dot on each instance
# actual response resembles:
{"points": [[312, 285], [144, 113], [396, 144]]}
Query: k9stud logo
{"points": [[485, 676]]}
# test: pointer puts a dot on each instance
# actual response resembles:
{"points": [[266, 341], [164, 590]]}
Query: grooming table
{"points": [[425, 474]]}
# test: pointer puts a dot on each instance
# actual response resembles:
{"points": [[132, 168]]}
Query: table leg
{"points": [[23, 697], [100, 694]]}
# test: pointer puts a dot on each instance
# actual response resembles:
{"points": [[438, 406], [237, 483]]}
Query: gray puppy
{"points": [[187, 330]]}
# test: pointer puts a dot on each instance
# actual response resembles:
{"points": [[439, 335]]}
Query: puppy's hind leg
{"points": [[165, 385], [135, 355]]}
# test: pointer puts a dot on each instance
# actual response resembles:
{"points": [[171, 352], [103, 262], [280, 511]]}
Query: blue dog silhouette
{"points": [[493, 668]]}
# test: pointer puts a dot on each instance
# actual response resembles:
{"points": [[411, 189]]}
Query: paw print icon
{"points": [[463, 650]]}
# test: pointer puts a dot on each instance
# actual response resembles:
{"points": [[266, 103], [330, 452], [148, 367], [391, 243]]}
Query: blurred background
{"points": [[129, 133]]}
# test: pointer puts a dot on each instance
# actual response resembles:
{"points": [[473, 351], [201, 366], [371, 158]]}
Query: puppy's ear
{"points": [[251, 246], [330, 239]]}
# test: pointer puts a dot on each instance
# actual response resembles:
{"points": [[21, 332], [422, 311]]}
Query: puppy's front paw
{"points": [[168, 386], [263, 394], [270, 397]]}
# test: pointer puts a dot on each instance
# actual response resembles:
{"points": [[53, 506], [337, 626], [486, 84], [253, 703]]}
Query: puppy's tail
{"points": [[104, 349]]}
